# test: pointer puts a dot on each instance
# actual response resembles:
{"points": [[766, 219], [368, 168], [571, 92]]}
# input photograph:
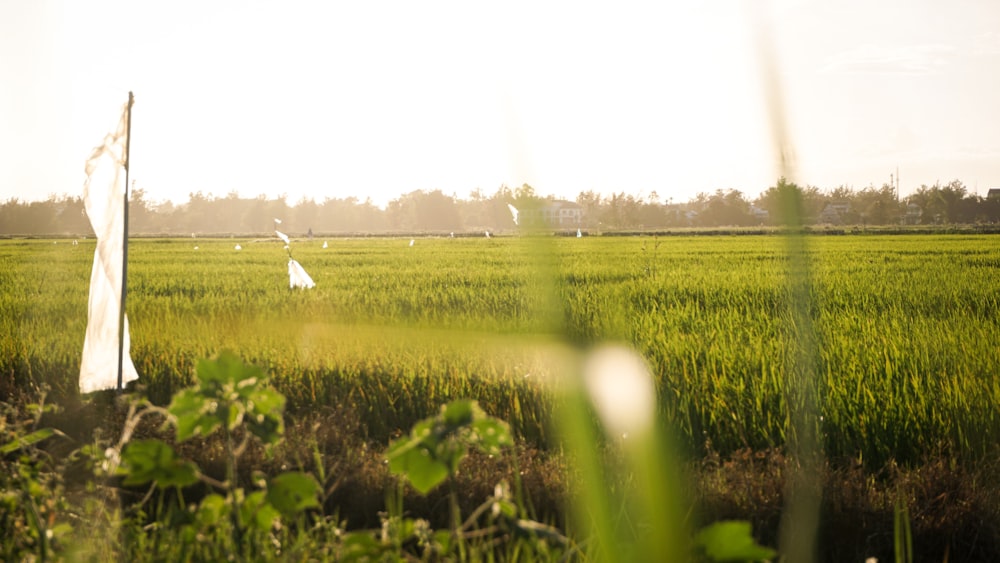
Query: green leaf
{"points": [[195, 414], [360, 546], [211, 511], [25, 441], [459, 413], [152, 460], [436, 446], [264, 415], [226, 370], [732, 541], [259, 513], [492, 434], [293, 492], [410, 458]]}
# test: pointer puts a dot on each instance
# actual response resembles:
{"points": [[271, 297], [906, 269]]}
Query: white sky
{"points": [[376, 99]]}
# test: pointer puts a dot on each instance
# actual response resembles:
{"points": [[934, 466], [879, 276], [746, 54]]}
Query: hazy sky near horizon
{"points": [[377, 99]]}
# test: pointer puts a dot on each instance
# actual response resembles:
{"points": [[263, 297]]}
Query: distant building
{"points": [[759, 214], [553, 213], [562, 213], [834, 213], [994, 193], [913, 213]]}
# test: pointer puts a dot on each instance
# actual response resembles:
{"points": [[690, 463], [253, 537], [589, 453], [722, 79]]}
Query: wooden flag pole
{"points": [[121, 310]]}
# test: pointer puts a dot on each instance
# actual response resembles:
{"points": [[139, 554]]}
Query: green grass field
{"points": [[907, 329]]}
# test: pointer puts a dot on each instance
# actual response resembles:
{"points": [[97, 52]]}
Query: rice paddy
{"points": [[907, 335]]}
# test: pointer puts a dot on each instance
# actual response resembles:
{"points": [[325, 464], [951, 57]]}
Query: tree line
{"points": [[435, 211]]}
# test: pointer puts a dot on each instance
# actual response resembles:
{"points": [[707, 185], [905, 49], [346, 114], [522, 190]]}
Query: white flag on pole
{"points": [[104, 199], [297, 276], [514, 213]]}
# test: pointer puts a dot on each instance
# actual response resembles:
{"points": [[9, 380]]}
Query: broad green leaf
{"points": [[436, 446], [459, 413], [293, 492], [416, 464], [195, 414], [152, 460], [492, 434], [227, 369], [732, 541]]}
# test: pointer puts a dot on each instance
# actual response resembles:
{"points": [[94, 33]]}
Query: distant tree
{"points": [[945, 204], [278, 208], [336, 215], [530, 209], [472, 211], [496, 210], [725, 207], [71, 217], [652, 214], [841, 194], [402, 212], [785, 203], [40, 217], [26, 218], [878, 206], [371, 219], [621, 211], [141, 219], [256, 216], [192, 216], [989, 210], [424, 211], [959, 204], [348, 215], [437, 212], [525, 195], [305, 215], [590, 201]]}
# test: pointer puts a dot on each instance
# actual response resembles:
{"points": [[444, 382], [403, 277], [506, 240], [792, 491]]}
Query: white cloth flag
{"points": [[297, 276], [514, 213], [104, 200]]}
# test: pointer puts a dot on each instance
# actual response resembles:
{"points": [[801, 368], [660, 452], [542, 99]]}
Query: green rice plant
{"points": [[905, 329]]}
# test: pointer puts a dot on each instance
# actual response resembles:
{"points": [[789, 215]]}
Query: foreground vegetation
{"points": [[904, 362]]}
